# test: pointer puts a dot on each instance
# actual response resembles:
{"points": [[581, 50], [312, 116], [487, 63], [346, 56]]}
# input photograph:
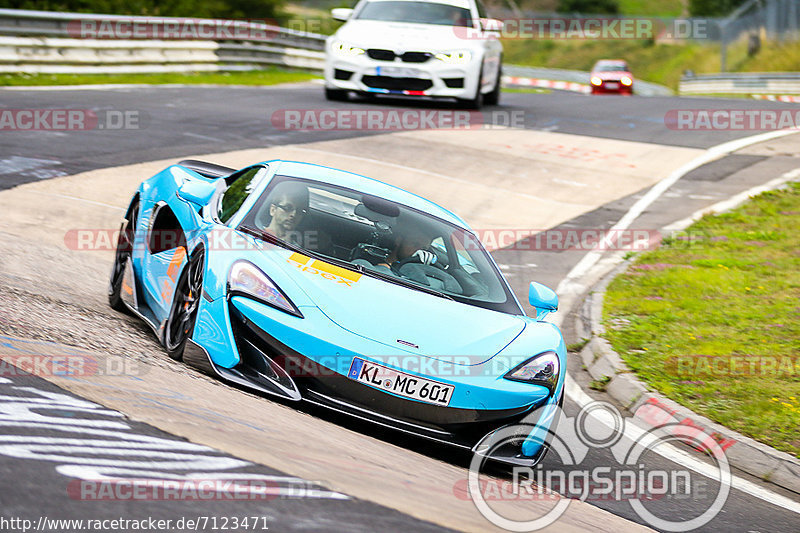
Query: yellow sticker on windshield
{"points": [[326, 270]]}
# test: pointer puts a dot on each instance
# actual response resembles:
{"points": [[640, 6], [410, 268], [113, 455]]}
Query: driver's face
{"points": [[411, 244], [286, 213]]}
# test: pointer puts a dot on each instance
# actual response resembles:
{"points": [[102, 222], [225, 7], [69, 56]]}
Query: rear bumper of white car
{"points": [[430, 77]]}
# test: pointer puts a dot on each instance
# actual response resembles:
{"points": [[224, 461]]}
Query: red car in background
{"points": [[611, 76]]}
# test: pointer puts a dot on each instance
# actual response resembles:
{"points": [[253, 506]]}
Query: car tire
{"points": [[335, 95], [183, 312], [125, 240], [493, 98]]}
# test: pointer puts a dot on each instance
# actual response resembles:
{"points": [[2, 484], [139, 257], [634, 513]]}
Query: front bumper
{"points": [[432, 77], [612, 87], [466, 423]]}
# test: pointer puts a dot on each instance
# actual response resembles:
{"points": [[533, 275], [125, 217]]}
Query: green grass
{"points": [[735, 291], [269, 76], [652, 8]]}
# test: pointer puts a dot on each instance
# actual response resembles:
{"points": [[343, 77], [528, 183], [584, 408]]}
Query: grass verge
{"points": [[714, 322], [270, 76]]}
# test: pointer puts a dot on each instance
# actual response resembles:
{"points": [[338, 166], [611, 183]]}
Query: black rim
{"points": [[184, 307], [125, 242]]}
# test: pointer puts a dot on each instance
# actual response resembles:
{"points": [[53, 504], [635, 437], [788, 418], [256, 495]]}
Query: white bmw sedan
{"points": [[432, 48]]}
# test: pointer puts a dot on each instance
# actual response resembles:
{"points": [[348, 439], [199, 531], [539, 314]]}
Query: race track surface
{"points": [[578, 162]]}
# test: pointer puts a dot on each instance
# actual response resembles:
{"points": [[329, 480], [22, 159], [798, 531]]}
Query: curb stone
{"points": [[650, 407]]}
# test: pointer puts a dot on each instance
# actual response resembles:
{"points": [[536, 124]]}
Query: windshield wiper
{"points": [[400, 281]]}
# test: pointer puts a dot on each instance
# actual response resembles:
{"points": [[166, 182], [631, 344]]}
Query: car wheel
{"points": [[127, 235], [477, 102], [493, 98], [335, 95], [183, 313]]}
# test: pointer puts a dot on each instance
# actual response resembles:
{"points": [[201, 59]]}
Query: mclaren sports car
{"points": [[311, 284]]}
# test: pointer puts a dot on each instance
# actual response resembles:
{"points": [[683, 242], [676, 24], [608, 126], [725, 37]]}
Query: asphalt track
{"points": [[572, 139]]}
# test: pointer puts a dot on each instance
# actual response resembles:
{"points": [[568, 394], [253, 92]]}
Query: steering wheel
{"points": [[423, 274]]}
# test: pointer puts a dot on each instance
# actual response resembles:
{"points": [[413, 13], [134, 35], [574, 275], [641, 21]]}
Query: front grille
{"points": [[340, 74], [454, 83], [397, 84], [381, 55], [408, 57]]}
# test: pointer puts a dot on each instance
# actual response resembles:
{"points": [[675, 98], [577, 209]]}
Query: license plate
{"points": [[397, 72], [400, 383], [612, 85]]}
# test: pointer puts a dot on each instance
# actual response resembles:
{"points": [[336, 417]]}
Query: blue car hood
{"points": [[409, 320]]}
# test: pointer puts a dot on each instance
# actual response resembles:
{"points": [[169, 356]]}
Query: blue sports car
{"points": [[313, 284]]}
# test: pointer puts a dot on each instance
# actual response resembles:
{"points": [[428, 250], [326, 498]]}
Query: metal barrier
{"points": [[50, 55], [22, 23], [741, 83]]}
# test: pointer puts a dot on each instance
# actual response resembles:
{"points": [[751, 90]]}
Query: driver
{"points": [[412, 245]]}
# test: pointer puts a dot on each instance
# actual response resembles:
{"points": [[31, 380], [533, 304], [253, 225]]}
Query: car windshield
{"points": [[381, 238], [416, 12], [611, 67]]}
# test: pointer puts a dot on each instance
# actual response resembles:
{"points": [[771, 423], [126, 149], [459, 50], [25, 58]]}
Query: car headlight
{"points": [[595, 80], [541, 370], [626, 80], [344, 49], [458, 57], [248, 280]]}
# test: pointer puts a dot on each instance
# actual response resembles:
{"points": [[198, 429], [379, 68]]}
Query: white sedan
{"points": [[440, 48]]}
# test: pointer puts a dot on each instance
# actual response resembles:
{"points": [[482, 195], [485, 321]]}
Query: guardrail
{"points": [[52, 55], [741, 83], [77, 43], [27, 23]]}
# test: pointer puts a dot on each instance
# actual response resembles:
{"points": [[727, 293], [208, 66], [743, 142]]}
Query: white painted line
{"points": [[204, 137], [671, 453]]}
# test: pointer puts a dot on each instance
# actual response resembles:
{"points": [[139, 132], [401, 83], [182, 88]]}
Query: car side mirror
{"points": [[543, 299], [196, 191], [342, 14]]}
